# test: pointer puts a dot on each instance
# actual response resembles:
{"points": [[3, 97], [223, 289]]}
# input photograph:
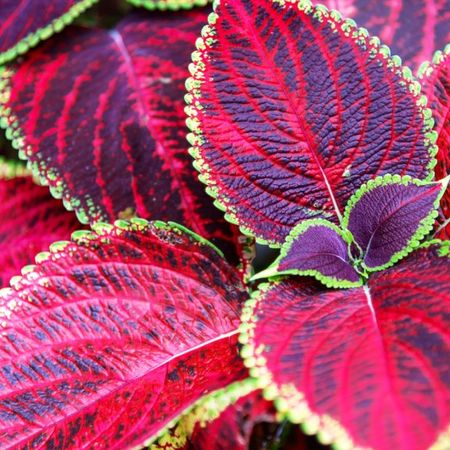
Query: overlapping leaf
{"points": [[100, 116], [365, 367], [435, 79], [168, 4], [413, 29], [111, 336], [30, 220], [24, 23], [292, 109]]}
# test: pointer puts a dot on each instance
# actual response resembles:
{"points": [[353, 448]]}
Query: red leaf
{"points": [[413, 29], [31, 219], [24, 23], [110, 337], [435, 79], [366, 366], [292, 109], [100, 114]]}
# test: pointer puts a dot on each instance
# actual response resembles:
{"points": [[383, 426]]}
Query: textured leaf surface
{"points": [[317, 248], [112, 336], [100, 116], [413, 29], [366, 366], [168, 4], [292, 109], [24, 23], [30, 220], [389, 216], [232, 430], [435, 79]]}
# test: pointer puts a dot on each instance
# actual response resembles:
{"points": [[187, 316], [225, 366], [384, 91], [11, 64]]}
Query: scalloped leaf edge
{"points": [[331, 282], [425, 225], [427, 67], [12, 169], [168, 5], [194, 82], [55, 26]]}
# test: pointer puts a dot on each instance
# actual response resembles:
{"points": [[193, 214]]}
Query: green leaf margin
{"points": [[55, 26], [169, 5], [425, 225], [331, 282], [193, 97]]}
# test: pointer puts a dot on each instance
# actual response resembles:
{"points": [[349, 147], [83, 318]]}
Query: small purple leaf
{"points": [[389, 216], [317, 248]]}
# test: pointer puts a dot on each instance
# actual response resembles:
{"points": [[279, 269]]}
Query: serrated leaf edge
{"points": [[168, 5], [425, 225], [193, 103], [55, 26]]}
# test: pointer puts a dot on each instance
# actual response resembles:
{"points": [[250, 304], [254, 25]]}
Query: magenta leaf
{"points": [[24, 23], [365, 367], [113, 335], [292, 109], [100, 115], [413, 29], [31, 219], [435, 79], [317, 248], [389, 216]]}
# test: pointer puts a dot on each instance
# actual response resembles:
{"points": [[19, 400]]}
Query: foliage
{"points": [[148, 326]]}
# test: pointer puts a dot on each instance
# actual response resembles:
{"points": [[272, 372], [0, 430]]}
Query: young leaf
{"points": [[113, 335], [100, 116], [24, 23], [318, 248], [168, 4], [413, 29], [389, 216], [435, 79], [30, 220], [365, 367], [292, 109]]}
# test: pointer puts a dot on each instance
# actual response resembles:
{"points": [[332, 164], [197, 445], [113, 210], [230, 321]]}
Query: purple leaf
{"points": [[317, 248], [389, 216], [293, 108]]}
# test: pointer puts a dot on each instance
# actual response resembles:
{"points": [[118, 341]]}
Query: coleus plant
{"points": [[313, 139]]}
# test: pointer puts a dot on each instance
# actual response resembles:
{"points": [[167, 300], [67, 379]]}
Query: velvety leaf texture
{"points": [[367, 366], [413, 29], [233, 428], [389, 216], [100, 116], [30, 220], [111, 336], [292, 109], [24, 23], [435, 79], [317, 248]]}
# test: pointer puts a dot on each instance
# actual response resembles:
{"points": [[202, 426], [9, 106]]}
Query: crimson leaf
{"points": [[319, 248], [413, 29], [389, 216], [365, 367], [435, 79], [100, 116], [24, 23], [292, 109], [30, 220], [111, 336]]}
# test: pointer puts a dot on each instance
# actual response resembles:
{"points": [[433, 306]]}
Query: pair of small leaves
{"points": [[365, 367], [383, 222], [113, 335], [435, 79], [293, 108]]}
